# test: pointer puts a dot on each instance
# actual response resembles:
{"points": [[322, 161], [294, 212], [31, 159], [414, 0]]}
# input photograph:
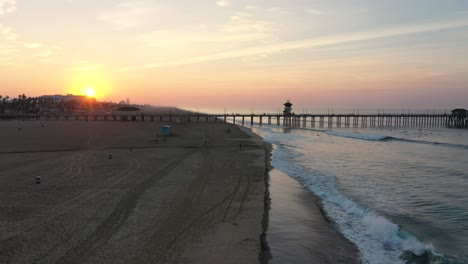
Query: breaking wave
{"points": [[370, 137], [378, 238], [378, 137]]}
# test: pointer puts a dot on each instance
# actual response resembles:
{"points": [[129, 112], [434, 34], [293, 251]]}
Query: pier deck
{"points": [[303, 120]]}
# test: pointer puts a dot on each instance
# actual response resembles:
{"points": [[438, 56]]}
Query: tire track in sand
{"points": [[118, 217], [188, 219]]}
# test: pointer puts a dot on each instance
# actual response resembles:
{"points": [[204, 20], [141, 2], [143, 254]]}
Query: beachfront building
{"points": [[64, 98], [458, 119], [128, 112], [459, 112]]}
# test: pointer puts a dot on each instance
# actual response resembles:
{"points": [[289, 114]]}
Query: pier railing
{"points": [[302, 120]]}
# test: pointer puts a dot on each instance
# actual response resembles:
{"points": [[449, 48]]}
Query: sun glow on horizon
{"points": [[93, 85], [89, 91]]}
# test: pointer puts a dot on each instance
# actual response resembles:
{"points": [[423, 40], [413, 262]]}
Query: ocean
{"points": [[399, 194]]}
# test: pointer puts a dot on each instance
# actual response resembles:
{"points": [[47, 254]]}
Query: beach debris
{"points": [[38, 179]]}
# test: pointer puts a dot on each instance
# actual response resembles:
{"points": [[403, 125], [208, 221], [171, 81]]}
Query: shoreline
{"points": [[345, 249], [265, 254]]}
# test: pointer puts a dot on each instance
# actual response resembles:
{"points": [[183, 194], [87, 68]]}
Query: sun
{"points": [[89, 91]]}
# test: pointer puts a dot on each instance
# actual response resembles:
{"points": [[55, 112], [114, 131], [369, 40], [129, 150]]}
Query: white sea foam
{"points": [[379, 239], [371, 137]]}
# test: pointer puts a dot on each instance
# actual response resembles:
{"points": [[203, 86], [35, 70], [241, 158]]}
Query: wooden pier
{"points": [[303, 120]]}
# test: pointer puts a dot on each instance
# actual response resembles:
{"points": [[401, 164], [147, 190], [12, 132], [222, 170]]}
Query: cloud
{"points": [[245, 22], [315, 12], [14, 45], [85, 66], [45, 53], [7, 6], [7, 33], [163, 39], [277, 10], [250, 7], [223, 3], [32, 45], [240, 28], [127, 15], [6, 49], [309, 43]]}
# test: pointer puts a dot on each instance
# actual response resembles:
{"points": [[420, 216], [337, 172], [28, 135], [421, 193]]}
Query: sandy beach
{"points": [[182, 200], [110, 193]]}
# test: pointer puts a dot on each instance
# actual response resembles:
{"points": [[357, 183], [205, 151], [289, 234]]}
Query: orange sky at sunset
{"points": [[239, 55]]}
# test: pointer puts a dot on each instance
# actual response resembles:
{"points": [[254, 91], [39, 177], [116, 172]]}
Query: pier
{"points": [[302, 120]]}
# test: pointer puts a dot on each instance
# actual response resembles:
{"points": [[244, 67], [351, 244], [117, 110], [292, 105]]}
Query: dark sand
{"points": [[298, 232], [179, 201]]}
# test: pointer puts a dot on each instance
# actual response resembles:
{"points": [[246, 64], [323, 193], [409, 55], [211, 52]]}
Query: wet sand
{"points": [[298, 232], [182, 200]]}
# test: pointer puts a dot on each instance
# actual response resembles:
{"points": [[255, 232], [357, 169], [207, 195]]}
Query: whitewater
{"points": [[398, 194]]}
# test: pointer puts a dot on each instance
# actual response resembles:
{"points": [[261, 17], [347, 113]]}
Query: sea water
{"points": [[399, 194]]}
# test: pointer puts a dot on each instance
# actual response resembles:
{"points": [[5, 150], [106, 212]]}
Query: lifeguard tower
{"points": [[287, 113]]}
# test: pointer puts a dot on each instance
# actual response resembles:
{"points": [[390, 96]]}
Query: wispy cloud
{"points": [[45, 53], [32, 45], [245, 22], [15, 44], [223, 3], [163, 39], [85, 66], [7, 33], [7, 6], [240, 28], [277, 10], [309, 43], [315, 12], [6, 49], [127, 15]]}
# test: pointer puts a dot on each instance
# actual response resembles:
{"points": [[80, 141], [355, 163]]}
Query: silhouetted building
{"points": [[128, 109], [65, 98], [459, 112], [458, 119]]}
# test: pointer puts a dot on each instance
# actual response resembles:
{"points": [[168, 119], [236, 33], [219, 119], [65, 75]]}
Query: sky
{"points": [[242, 56]]}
